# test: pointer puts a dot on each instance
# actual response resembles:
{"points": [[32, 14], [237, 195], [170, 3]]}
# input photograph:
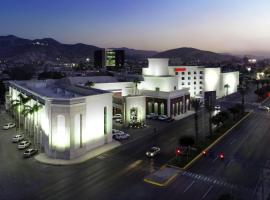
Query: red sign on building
{"points": [[180, 69]]}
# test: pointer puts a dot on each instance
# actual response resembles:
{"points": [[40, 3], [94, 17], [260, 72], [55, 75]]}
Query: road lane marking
{"points": [[189, 186], [206, 193], [215, 159], [233, 141]]}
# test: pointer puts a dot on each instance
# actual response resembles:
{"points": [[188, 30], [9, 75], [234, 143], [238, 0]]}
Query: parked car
{"points": [[17, 138], [217, 107], [9, 125], [118, 120], [24, 144], [152, 116], [163, 117], [169, 119], [29, 152], [264, 108], [153, 151], [115, 131], [121, 136], [117, 116]]}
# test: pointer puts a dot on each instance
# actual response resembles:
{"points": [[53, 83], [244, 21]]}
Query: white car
{"points": [[17, 138], [115, 131], [118, 120], [217, 107], [23, 144], [120, 136], [153, 152], [151, 116], [117, 116], [9, 125], [264, 108], [163, 117], [29, 152]]}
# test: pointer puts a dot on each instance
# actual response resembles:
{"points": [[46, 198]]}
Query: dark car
{"points": [[29, 152], [169, 119]]}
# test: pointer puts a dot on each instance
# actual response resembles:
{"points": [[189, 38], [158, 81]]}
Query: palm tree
{"points": [[196, 104], [242, 90], [34, 112], [89, 84], [226, 86], [17, 103], [210, 109], [136, 82]]}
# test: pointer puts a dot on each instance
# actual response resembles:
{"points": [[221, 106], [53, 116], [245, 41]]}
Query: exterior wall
{"points": [[212, 80], [230, 78], [95, 133], [150, 103], [165, 84], [126, 88], [191, 77], [135, 102], [60, 140], [157, 67]]}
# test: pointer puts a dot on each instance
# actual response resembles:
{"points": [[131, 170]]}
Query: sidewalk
{"points": [[162, 177], [43, 158]]}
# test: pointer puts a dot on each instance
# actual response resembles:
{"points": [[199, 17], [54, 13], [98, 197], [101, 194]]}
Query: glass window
{"points": [[201, 82], [183, 73], [183, 78], [195, 83], [188, 78], [195, 72], [201, 77], [201, 72], [195, 78], [189, 73], [188, 83], [183, 83], [176, 73]]}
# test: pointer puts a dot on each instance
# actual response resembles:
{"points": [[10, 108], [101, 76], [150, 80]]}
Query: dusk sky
{"points": [[217, 25]]}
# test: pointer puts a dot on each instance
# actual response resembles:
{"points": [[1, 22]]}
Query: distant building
{"points": [[110, 59]]}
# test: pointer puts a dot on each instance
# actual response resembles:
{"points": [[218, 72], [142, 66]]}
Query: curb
{"points": [[161, 184], [211, 145]]}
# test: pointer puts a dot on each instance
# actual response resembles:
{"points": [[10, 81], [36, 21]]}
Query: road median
{"points": [[185, 165]]}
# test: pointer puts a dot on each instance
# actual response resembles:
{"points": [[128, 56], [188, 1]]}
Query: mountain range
{"points": [[17, 49]]}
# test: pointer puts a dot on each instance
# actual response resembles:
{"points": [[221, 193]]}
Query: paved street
{"points": [[119, 174]]}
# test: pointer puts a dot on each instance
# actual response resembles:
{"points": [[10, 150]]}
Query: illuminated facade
{"points": [[71, 120], [197, 79]]}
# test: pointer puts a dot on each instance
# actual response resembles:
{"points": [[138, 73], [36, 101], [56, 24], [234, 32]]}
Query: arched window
{"points": [[156, 108], [162, 108], [61, 138]]}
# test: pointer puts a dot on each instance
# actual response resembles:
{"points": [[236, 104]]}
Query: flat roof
{"points": [[61, 89]]}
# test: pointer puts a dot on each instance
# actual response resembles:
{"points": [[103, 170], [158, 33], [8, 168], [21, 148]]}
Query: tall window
{"points": [[78, 131], [105, 120]]}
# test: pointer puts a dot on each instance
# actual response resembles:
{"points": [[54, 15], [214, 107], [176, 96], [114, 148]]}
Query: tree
{"points": [[210, 109], [50, 75], [188, 142], [136, 82], [196, 104], [89, 84], [21, 73], [2, 91], [226, 86], [243, 91], [234, 110]]}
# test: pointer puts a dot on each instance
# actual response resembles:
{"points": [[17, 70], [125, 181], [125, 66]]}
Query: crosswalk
{"points": [[211, 180]]}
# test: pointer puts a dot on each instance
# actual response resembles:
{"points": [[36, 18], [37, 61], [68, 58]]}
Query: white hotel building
{"points": [[75, 119], [198, 79]]}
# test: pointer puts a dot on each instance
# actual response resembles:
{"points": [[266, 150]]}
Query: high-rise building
{"points": [[110, 59]]}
